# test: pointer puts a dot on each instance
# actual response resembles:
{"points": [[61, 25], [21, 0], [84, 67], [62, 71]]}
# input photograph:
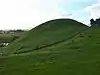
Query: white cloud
{"points": [[94, 10], [51, 10], [29, 13]]}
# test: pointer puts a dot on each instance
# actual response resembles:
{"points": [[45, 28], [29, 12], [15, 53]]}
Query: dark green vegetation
{"points": [[95, 23], [77, 54]]}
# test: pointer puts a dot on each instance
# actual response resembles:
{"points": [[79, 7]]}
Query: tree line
{"points": [[95, 23]]}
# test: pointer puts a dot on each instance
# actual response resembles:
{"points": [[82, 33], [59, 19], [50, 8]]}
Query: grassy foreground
{"points": [[79, 55]]}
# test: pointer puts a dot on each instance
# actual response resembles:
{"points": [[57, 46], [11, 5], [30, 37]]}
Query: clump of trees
{"points": [[95, 23]]}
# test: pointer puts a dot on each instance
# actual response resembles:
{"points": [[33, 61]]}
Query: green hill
{"points": [[46, 34], [75, 52], [79, 55]]}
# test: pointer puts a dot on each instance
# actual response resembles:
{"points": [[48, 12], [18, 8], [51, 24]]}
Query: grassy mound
{"points": [[46, 34]]}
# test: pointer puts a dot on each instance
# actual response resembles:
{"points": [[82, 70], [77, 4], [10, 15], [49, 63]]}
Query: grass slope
{"points": [[48, 33], [79, 55]]}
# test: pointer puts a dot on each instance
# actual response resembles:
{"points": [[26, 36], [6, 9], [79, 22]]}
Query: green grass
{"points": [[45, 34], [77, 56]]}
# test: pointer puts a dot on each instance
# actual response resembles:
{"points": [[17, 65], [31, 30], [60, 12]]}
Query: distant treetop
{"points": [[95, 23]]}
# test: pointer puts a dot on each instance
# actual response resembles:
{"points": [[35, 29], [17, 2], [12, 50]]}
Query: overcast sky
{"points": [[26, 14]]}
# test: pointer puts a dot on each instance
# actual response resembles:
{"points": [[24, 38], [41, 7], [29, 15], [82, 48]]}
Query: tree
{"points": [[19, 30], [98, 21], [95, 23], [92, 22]]}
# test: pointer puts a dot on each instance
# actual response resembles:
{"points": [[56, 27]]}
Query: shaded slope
{"points": [[77, 56], [46, 34]]}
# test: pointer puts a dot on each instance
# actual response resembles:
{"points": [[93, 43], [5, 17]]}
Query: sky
{"points": [[26, 14]]}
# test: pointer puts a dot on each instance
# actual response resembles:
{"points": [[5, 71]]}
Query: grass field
{"points": [[79, 55]]}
